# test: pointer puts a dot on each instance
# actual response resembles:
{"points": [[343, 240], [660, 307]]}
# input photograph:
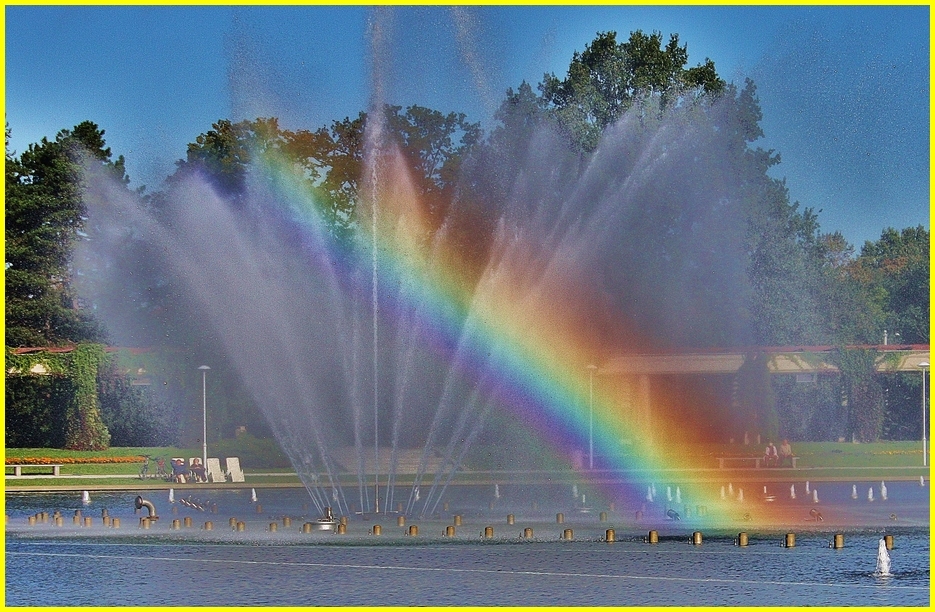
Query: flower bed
{"points": [[70, 460]]}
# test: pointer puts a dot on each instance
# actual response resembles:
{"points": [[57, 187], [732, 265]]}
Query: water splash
{"points": [[398, 322], [883, 560]]}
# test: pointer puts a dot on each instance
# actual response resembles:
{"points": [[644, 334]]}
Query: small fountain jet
{"points": [[883, 560]]}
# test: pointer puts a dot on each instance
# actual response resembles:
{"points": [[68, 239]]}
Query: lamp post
{"points": [[591, 368], [204, 415], [924, 365]]}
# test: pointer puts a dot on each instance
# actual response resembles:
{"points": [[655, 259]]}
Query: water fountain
{"points": [[883, 560], [423, 324]]}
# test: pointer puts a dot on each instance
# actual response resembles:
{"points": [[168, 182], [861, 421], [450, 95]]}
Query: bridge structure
{"points": [[781, 360], [638, 378]]}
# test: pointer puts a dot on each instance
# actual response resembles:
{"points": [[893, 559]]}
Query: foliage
{"points": [[895, 271], [607, 79], [862, 392], [45, 214], [33, 409], [754, 397], [83, 426], [809, 411], [253, 452], [134, 416]]}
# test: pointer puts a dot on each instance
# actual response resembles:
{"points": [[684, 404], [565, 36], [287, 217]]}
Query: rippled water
{"points": [[102, 566]]}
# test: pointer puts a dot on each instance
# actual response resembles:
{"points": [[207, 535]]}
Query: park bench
{"points": [[756, 461], [18, 468]]}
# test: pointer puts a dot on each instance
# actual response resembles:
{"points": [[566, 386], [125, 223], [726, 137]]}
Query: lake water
{"points": [[102, 566]]}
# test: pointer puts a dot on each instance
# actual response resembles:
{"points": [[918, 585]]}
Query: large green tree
{"points": [[895, 271], [45, 213], [45, 207], [608, 78]]}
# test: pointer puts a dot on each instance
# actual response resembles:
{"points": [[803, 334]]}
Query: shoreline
{"points": [[287, 480]]}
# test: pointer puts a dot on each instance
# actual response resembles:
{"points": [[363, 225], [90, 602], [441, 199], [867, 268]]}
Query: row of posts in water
{"points": [[341, 528]]}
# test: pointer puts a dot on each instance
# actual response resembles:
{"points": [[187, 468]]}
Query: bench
{"points": [[721, 460], [756, 461], [18, 468]]}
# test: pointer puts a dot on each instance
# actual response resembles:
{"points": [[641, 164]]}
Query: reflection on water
{"points": [[190, 566]]}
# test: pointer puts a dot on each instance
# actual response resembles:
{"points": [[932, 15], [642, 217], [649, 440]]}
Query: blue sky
{"points": [[844, 90]]}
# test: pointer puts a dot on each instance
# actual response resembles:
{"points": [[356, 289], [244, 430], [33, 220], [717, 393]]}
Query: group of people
{"points": [[780, 457], [182, 473]]}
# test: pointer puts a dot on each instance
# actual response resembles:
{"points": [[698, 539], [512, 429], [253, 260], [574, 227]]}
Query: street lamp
{"points": [[923, 365], [204, 415], [592, 368]]}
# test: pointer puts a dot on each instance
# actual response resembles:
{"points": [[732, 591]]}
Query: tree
{"points": [[46, 191], [895, 270], [45, 214], [607, 78]]}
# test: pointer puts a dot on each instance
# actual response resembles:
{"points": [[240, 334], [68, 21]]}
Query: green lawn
{"points": [[831, 459]]}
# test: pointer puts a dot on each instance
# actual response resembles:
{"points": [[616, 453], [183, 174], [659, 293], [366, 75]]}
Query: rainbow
{"points": [[521, 314]]}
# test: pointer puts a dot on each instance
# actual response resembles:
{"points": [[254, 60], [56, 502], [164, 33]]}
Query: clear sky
{"points": [[845, 91]]}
